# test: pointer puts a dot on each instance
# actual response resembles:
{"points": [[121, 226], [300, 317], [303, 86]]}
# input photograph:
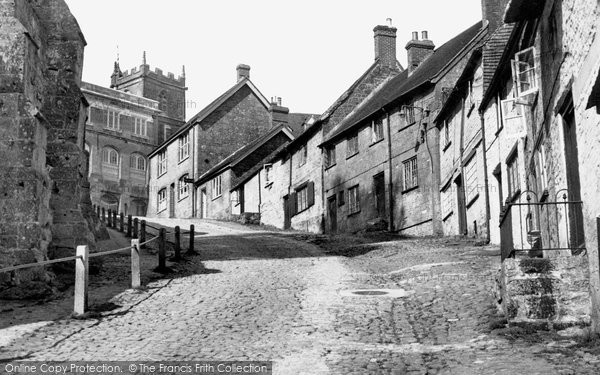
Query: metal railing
{"points": [[534, 227]]}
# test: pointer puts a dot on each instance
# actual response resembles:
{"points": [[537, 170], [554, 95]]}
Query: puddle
{"points": [[390, 293]]}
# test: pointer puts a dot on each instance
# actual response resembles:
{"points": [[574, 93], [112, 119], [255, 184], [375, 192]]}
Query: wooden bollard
{"points": [[177, 243], [121, 222], [136, 281], [103, 214], [162, 252], [143, 233], [114, 219], [128, 226], [135, 228], [109, 218], [98, 212], [81, 280], [191, 250]]}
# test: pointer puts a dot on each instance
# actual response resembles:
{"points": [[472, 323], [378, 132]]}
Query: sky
{"points": [[306, 52]]}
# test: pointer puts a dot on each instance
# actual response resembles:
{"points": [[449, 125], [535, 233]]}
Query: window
{"points": [[513, 117], [98, 116], [113, 121], [302, 155], [446, 129], [470, 170], [235, 197], [217, 187], [512, 166], [524, 72], [352, 145], [140, 127], [163, 101], [162, 200], [447, 202], [330, 156], [377, 130], [302, 198], [409, 114], [137, 162], [182, 187], [268, 174], [411, 177], [305, 196], [341, 198], [353, 200], [184, 146], [110, 156], [162, 163]]}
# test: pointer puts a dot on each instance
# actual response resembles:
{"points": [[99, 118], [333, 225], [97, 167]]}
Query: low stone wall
{"points": [[546, 291]]}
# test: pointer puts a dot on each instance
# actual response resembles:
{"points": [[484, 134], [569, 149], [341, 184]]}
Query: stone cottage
{"points": [[386, 168]]}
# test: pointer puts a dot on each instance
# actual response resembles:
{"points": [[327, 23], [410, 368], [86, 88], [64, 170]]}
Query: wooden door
{"points": [[379, 189], [332, 214]]}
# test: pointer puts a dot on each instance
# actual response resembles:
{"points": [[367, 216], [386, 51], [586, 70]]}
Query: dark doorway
{"points": [[172, 201], [332, 214], [498, 174], [287, 217], [379, 189], [462, 207], [576, 235]]}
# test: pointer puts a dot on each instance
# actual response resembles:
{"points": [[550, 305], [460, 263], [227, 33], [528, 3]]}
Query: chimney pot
{"points": [[279, 101], [243, 71], [389, 22], [415, 35], [424, 35]]}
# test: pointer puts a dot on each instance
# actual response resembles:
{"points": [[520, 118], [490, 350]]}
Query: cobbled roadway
{"points": [[272, 296]]}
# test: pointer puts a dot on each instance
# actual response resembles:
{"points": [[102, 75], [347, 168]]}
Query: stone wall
{"points": [[546, 291], [44, 191]]}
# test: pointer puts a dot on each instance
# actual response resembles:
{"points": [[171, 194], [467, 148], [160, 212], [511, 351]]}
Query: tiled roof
{"points": [[296, 120], [493, 51], [241, 153], [402, 84]]}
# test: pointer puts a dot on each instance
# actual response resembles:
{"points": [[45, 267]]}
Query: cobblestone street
{"points": [[287, 297]]}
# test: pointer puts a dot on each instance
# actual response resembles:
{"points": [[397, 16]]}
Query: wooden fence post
{"points": [[121, 219], [109, 219], [136, 281], [128, 226], [143, 233], [177, 243], [81, 280], [103, 215], [135, 228], [162, 252], [98, 212], [191, 250], [114, 219]]}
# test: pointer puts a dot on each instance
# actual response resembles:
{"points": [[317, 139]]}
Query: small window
{"points": [[330, 156], [183, 187], [163, 101], [411, 174], [377, 130], [113, 121], [352, 145], [408, 112], [162, 163], [162, 200], [353, 200], [470, 170], [513, 117], [184, 146], [140, 127], [302, 155], [235, 197], [217, 187], [268, 174], [137, 162], [512, 167], [302, 198], [110, 156], [524, 72]]}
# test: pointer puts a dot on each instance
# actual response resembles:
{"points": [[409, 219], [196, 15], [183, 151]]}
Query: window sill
{"points": [[544, 195], [406, 126], [354, 213], [447, 215], [376, 142], [159, 211], [350, 156], [180, 199], [514, 196], [499, 130], [162, 174], [410, 189], [447, 146], [182, 160], [268, 184], [217, 197], [470, 203], [330, 166]]}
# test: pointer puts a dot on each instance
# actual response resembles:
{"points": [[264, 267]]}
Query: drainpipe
{"points": [[259, 191], [390, 170], [462, 174], [485, 179], [193, 171]]}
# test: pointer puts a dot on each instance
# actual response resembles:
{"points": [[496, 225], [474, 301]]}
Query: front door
{"points": [[576, 235], [172, 201], [462, 209], [332, 214], [379, 188], [287, 217]]}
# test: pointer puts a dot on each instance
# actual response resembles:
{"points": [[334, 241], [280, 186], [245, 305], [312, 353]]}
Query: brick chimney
{"points": [[492, 11], [243, 71], [418, 50], [385, 44], [279, 113]]}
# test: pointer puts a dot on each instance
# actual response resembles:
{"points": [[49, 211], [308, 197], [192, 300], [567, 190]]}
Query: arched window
{"points": [[163, 100], [137, 162], [183, 187], [110, 156]]}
